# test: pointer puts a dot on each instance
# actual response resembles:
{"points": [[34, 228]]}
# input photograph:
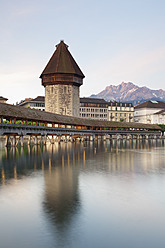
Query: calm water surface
{"points": [[97, 195]]}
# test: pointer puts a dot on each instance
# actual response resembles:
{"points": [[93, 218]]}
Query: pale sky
{"points": [[112, 41]]}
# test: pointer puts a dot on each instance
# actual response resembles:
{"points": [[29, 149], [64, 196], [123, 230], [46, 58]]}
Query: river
{"points": [[96, 195]]}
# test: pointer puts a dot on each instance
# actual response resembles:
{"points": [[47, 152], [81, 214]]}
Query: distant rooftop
{"points": [[92, 100], [37, 99], [3, 98], [161, 112], [151, 104]]}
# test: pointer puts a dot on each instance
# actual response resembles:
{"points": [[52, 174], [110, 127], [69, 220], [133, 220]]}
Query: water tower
{"points": [[62, 79]]}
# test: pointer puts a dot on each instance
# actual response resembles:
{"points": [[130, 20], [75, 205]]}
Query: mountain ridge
{"points": [[129, 92]]}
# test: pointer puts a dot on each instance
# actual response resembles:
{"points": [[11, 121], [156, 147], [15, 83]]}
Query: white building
{"points": [[151, 112], [36, 103], [93, 108]]}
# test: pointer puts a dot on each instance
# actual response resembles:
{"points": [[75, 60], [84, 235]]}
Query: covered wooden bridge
{"points": [[19, 121]]}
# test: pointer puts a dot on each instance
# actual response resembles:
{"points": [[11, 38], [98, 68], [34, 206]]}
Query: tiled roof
{"points": [[3, 98], [161, 112], [92, 100], [38, 99], [151, 104], [62, 62], [18, 112]]}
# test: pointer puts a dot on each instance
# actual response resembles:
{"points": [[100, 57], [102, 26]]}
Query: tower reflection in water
{"points": [[61, 166], [62, 200]]}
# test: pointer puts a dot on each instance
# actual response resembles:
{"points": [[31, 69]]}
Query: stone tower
{"points": [[62, 78]]}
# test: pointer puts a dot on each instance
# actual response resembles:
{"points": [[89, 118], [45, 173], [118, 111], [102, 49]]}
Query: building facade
{"points": [[36, 103], [62, 79], [120, 111], [150, 112], [93, 108]]}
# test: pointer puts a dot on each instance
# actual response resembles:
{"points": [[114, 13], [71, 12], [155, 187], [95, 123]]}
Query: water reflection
{"points": [[70, 158], [81, 182], [61, 195]]}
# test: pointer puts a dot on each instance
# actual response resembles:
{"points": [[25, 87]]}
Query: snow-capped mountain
{"points": [[129, 92]]}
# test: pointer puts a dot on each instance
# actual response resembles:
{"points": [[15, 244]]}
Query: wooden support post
{"points": [[36, 140], [14, 141], [29, 140], [52, 140], [59, 139], [22, 140], [7, 140], [45, 138], [41, 139]]}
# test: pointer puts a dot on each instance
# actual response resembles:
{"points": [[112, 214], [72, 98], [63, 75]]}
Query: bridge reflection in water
{"points": [[62, 165], [16, 162]]}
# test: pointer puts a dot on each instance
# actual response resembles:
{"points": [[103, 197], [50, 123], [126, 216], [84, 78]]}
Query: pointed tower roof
{"points": [[62, 62]]}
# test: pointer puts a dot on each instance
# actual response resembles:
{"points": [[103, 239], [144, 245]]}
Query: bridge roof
{"points": [[8, 111], [62, 62]]}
